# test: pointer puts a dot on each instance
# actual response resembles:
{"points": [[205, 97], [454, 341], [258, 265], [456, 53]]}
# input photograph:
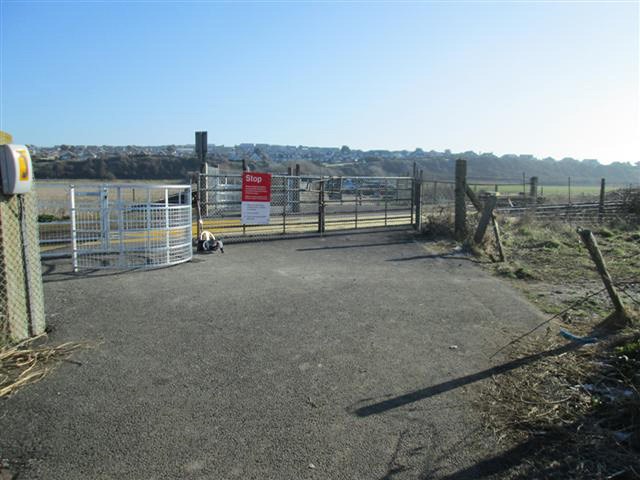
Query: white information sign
{"points": [[255, 213]]}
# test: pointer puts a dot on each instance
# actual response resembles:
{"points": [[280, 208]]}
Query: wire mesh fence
{"points": [[306, 205], [437, 202], [21, 296], [113, 228]]}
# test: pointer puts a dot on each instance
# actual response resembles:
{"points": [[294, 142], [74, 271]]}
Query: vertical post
{"points": [[296, 193], [524, 187], [533, 189], [74, 228], [166, 224], [386, 200], [201, 149], [120, 211], [198, 209], [284, 203], [413, 193], [418, 223], [21, 298], [321, 207], [148, 218], [356, 202], [105, 225], [569, 188], [460, 205], [487, 214], [601, 203], [592, 246], [495, 188], [244, 165]]}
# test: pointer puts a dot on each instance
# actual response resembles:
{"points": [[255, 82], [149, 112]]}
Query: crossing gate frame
{"points": [[112, 229], [307, 205]]}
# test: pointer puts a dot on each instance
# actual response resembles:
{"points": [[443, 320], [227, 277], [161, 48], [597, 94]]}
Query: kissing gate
{"points": [[307, 205], [127, 226]]}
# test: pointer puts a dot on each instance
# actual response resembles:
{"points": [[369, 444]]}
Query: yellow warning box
{"points": [[15, 169]]}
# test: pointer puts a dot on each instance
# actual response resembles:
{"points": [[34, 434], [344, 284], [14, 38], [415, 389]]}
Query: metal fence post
{"points": [[418, 200], [198, 206], [120, 213], [285, 202], [321, 207], [601, 202], [74, 228], [356, 202], [461, 205], [166, 224]]}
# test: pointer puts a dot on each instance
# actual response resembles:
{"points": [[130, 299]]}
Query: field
{"points": [[555, 192]]}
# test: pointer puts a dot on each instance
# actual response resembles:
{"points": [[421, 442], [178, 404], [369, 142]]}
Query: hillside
{"points": [[437, 165]]}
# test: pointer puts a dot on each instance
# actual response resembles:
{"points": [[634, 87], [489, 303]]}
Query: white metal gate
{"points": [[112, 227]]}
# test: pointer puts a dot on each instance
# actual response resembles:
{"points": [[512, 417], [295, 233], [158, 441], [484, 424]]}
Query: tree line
{"points": [[487, 167]]}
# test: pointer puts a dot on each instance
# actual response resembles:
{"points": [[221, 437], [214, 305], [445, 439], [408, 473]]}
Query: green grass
{"points": [[552, 267], [578, 192]]}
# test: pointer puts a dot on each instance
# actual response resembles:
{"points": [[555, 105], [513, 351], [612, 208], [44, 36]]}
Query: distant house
{"points": [[66, 156], [87, 156]]}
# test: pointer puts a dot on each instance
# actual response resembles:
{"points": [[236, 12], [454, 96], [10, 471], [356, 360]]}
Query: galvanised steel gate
{"points": [[307, 205]]}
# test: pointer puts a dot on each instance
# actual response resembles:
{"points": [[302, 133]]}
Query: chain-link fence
{"points": [[21, 296], [306, 205]]}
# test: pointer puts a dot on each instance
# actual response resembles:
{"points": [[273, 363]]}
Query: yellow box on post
{"points": [[15, 169]]}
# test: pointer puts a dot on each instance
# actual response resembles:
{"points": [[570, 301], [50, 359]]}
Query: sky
{"points": [[544, 78]]}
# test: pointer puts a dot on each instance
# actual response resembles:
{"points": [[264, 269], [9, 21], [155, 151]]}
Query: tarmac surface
{"points": [[355, 356]]}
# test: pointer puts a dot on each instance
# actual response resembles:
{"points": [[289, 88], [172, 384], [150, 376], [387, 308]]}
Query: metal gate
{"points": [[111, 227], [307, 205]]}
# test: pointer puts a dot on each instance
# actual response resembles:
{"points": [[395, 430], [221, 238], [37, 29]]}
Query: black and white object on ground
{"points": [[208, 243]]}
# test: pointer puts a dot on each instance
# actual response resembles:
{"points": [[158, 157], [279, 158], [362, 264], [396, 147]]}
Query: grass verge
{"points": [[572, 410]]}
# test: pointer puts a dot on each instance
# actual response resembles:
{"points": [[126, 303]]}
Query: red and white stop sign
{"points": [[256, 187]]}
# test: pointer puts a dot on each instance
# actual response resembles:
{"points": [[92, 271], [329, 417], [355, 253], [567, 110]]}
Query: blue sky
{"points": [[549, 79]]}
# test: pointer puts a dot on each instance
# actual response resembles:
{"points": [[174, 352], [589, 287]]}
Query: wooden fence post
{"points": [[461, 204], [494, 222], [487, 214], [622, 319], [533, 189], [601, 203]]}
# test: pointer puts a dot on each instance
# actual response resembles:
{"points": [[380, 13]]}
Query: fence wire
{"points": [[437, 206], [21, 297], [307, 205]]}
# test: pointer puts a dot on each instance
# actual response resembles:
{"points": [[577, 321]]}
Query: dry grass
{"points": [[30, 361], [576, 408]]}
